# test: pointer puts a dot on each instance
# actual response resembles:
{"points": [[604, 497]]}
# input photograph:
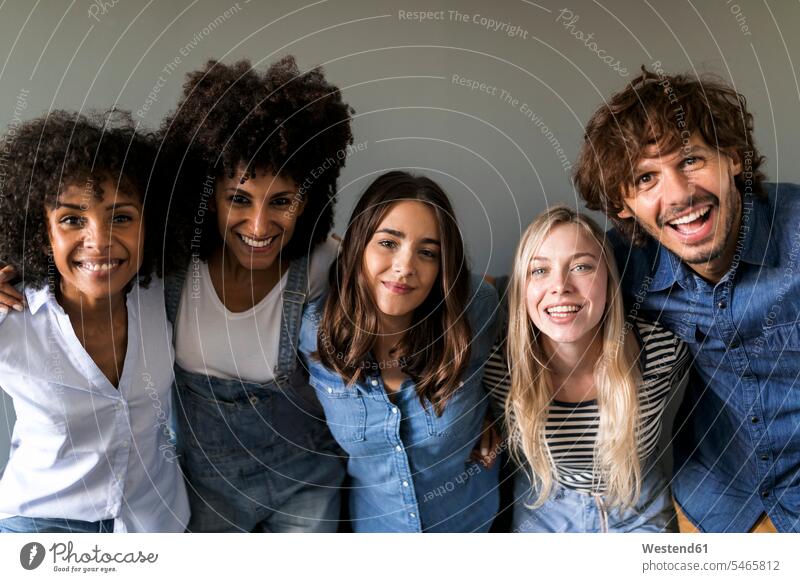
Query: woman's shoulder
{"points": [[312, 313], [661, 348]]}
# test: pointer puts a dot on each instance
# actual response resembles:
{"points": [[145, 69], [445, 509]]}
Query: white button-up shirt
{"points": [[81, 448]]}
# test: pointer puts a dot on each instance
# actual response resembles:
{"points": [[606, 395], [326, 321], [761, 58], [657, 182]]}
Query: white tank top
{"points": [[214, 341]]}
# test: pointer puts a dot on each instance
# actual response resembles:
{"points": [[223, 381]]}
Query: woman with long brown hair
{"points": [[396, 353]]}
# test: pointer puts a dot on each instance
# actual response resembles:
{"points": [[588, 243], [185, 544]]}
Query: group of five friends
{"points": [[189, 348]]}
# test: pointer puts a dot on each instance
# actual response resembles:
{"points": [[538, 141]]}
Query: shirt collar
{"points": [[758, 247], [37, 298], [670, 270]]}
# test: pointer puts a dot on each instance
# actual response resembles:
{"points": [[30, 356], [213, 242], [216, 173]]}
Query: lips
{"points": [[398, 288], [98, 266], [563, 311], [257, 243], [694, 226]]}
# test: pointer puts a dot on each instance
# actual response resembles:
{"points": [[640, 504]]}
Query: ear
{"points": [[736, 162], [625, 212]]}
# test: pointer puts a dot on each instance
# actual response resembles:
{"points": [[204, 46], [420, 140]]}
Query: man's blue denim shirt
{"points": [[737, 436], [409, 468]]}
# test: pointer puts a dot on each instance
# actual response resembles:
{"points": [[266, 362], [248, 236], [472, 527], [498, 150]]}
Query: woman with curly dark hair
{"points": [[259, 155], [90, 450]]}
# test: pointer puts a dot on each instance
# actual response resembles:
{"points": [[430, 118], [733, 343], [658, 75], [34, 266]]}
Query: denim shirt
{"points": [[737, 442], [409, 468]]}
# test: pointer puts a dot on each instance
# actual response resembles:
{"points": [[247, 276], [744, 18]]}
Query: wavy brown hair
{"points": [[435, 350], [661, 110]]}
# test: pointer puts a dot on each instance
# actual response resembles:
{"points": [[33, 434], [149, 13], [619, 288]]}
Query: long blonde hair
{"points": [[616, 376]]}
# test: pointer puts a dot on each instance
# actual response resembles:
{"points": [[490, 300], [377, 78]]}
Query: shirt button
{"points": [[722, 304], [765, 493], [764, 457], [735, 343], [394, 410], [330, 390], [405, 483], [412, 515], [754, 419], [398, 448], [254, 400], [374, 382]]}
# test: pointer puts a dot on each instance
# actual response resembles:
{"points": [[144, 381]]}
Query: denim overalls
{"points": [[258, 457], [571, 511]]}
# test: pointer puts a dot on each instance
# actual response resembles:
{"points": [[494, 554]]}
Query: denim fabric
{"points": [[571, 511], [259, 457], [737, 447], [408, 467], [20, 524]]}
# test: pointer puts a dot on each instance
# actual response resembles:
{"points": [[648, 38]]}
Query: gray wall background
{"points": [[501, 161]]}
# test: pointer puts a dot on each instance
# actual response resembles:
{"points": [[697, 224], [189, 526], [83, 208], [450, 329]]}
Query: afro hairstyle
{"points": [[290, 123]]}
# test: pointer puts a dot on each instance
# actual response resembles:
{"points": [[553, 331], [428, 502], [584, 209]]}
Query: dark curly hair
{"points": [[41, 158], [290, 123], [659, 109]]}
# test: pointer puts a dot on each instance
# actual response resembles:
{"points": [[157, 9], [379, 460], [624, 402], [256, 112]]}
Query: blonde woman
{"points": [[587, 388]]}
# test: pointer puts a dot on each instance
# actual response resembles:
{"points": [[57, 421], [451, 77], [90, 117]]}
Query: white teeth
{"points": [[99, 266], [690, 217], [563, 310], [256, 243]]}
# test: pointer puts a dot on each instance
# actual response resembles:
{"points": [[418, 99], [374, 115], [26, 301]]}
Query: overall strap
{"points": [[173, 288], [293, 300]]}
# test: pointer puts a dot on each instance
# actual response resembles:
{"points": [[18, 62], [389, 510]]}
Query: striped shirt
{"points": [[572, 427]]}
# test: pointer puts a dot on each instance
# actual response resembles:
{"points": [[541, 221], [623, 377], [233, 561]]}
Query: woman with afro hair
{"points": [[89, 366], [257, 156]]}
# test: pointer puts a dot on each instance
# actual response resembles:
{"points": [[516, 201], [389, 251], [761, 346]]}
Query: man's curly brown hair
{"points": [[291, 123], [41, 158], [659, 109]]}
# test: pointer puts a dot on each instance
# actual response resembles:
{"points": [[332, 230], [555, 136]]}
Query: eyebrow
{"points": [[81, 207], [575, 256], [681, 152], [271, 196], [398, 234]]}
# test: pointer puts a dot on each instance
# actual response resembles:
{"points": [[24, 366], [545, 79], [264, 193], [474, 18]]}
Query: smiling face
{"points": [[97, 243], [567, 285], [256, 218], [688, 201], [402, 260]]}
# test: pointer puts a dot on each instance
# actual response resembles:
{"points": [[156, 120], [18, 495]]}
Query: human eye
{"points": [[387, 243], [283, 201], [644, 180], [693, 163], [583, 268], [239, 199], [538, 271], [429, 254], [121, 218], [71, 220]]}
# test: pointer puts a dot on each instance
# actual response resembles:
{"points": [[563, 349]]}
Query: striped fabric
{"points": [[572, 427]]}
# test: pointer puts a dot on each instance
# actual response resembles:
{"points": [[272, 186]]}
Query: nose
{"points": [[677, 188], [260, 219], [403, 262], [561, 282], [98, 235]]}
